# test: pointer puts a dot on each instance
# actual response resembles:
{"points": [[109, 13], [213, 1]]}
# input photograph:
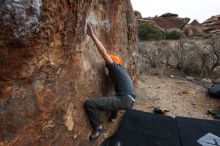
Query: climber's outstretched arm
{"points": [[99, 45]]}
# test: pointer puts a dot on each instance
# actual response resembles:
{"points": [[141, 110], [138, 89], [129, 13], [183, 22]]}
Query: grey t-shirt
{"points": [[122, 81]]}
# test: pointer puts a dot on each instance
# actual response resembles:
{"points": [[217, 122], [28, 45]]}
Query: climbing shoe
{"points": [[96, 133]]}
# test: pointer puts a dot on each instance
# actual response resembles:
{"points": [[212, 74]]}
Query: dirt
{"points": [[181, 96]]}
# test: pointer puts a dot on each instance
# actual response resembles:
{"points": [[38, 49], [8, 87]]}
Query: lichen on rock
{"points": [[20, 18]]}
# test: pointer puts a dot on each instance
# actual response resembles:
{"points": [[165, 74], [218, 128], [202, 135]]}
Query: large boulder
{"points": [[197, 56], [193, 56], [194, 29], [216, 46], [49, 66]]}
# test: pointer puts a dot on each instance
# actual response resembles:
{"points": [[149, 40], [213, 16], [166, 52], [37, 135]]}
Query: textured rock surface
{"points": [[20, 19], [194, 56], [48, 66], [194, 29], [216, 72], [212, 25]]}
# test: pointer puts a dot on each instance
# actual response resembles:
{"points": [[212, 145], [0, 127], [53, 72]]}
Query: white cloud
{"points": [[193, 9]]}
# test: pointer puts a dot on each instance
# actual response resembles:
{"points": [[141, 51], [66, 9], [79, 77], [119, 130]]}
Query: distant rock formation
{"points": [[154, 24], [169, 15], [166, 21], [195, 22], [193, 29], [170, 20], [212, 25], [137, 15], [198, 55]]}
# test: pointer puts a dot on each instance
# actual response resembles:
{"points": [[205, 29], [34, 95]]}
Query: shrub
{"points": [[173, 34], [149, 32]]}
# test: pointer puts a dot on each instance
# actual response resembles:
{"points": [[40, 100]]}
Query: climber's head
{"points": [[116, 59]]}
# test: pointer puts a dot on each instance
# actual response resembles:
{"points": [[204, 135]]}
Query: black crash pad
{"points": [[191, 130], [144, 129]]}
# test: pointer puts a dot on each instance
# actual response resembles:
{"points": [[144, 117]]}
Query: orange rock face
{"points": [[49, 66]]}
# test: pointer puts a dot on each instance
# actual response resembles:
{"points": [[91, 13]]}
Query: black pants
{"points": [[111, 103]]}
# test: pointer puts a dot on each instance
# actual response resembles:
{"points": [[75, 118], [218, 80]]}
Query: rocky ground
{"points": [[181, 95]]}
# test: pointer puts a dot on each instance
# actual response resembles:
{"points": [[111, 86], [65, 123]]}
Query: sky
{"points": [[193, 9]]}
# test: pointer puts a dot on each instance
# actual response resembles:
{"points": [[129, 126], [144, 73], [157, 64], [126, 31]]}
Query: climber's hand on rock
{"points": [[90, 31]]}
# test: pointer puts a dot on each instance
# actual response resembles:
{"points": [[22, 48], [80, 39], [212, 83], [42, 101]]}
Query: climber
{"points": [[123, 85]]}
